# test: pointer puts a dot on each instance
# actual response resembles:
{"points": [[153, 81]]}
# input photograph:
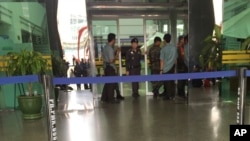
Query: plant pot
{"points": [[30, 106]]}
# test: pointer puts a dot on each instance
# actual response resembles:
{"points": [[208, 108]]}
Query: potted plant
{"points": [[211, 54], [27, 63]]}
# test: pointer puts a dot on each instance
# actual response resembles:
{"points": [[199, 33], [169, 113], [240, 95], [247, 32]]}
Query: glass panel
{"points": [[23, 25], [101, 29], [129, 29], [180, 28], [235, 34], [155, 28]]}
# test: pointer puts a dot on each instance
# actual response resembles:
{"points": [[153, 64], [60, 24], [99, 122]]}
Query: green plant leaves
{"points": [[58, 66], [210, 55], [25, 63]]}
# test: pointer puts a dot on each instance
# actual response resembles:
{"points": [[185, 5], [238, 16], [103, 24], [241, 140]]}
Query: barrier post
{"points": [[50, 106], [241, 95]]}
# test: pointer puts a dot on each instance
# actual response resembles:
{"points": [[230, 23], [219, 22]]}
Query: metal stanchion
{"points": [[241, 95], [50, 107]]}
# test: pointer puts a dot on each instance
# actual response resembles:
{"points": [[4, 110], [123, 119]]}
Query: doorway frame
{"points": [[116, 18]]}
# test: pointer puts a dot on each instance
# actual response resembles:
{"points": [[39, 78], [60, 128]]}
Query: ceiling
{"points": [[137, 9]]}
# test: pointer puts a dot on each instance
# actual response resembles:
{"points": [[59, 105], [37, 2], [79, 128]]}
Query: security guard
{"points": [[154, 58], [133, 64]]}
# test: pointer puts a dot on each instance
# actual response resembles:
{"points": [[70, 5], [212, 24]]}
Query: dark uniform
{"points": [[77, 73], [154, 58], [133, 65], [84, 66]]}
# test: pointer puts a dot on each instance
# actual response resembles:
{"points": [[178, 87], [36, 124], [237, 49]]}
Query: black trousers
{"points": [[109, 88], [181, 83], [117, 90], [135, 85], [156, 84], [85, 74], [169, 85], [78, 85]]}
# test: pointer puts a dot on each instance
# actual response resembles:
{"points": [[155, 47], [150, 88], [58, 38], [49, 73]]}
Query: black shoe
{"points": [[119, 97], [163, 94], [104, 100], [156, 95], [135, 95], [69, 88]]}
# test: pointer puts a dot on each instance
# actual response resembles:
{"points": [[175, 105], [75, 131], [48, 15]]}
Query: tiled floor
{"points": [[205, 118]]}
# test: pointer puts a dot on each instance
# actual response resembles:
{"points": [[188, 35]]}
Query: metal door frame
{"points": [[116, 18]]}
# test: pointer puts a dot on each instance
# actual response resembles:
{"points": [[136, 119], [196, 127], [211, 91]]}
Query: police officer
{"points": [[154, 58], [133, 65], [109, 57]]}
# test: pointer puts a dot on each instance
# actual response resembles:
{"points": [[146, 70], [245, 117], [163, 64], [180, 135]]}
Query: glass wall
{"points": [[127, 28], [23, 25], [155, 28], [235, 34], [100, 30]]}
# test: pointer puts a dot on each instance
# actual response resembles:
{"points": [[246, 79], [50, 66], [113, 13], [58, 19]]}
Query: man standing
{"points": [[78, 72], [133, 65], [109, 58], [181, 67], [84, 72], [168, 59], [154, 58]]}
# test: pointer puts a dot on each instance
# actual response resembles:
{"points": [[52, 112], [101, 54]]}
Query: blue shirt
{"points": [[108, 54], [168, 55]]}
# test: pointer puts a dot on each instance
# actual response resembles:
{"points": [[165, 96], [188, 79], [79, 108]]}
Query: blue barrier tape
{"points": [[114, 79], [248, 73], [143, 78], [18, 79]]}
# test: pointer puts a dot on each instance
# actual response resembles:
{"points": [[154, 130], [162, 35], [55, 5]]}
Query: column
{"points": [[201, 24], [173, 25]]}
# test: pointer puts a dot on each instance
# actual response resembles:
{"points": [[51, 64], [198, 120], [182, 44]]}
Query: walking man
{"points": [[154, 58]]}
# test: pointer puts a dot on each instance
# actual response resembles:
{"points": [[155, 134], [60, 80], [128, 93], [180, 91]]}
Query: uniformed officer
{"points": [[133, 64], [109, 58], [154, 58]]}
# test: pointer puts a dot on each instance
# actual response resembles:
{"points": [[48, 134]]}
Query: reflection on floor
{"points": [[204, 118]]}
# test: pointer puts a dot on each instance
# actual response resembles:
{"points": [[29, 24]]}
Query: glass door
{"points": [[145, 30], [130, 28], [153, 28], [100, 31]]}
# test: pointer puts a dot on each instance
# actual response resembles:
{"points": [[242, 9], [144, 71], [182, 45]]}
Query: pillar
{"points": [[173, 25], [201, 24]]}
